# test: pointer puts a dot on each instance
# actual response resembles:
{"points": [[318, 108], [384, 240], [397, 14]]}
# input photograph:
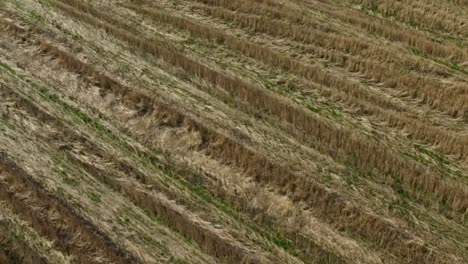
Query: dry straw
{"points": [[447, 142], [330, 205], [364, 153]]}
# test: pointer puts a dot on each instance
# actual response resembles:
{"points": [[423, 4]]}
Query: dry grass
{"points": [[234, 153], [228, 191]]}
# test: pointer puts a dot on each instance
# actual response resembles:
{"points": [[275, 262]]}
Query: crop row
{"points": [[448, 143], [234, 153]]}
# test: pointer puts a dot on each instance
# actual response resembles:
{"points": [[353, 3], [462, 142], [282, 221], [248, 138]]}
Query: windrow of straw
{"points": [[451, 99], [215, 247], [447, 142], [395, 33], [312, 36], [422, 15], [355, 149], [212, 242], [330, 205]]}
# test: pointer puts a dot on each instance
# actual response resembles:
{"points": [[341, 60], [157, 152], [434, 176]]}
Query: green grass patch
{"points": [[416, 52], [67, 179], [438, 158], [6, 67], [94, 196], [448, 64]]}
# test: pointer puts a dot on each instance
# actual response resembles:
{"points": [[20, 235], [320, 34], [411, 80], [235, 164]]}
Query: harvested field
{"points": [[219, 131]]}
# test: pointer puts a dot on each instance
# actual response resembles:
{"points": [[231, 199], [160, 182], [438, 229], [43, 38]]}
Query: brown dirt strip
{"points": [[4, 257], [54, 218]]}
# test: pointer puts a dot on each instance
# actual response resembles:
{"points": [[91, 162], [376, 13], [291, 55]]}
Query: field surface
{"points": [[233, 131]]}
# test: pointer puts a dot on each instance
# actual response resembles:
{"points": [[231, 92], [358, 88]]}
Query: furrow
{"points": [[4, 257], [53, 218]]}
